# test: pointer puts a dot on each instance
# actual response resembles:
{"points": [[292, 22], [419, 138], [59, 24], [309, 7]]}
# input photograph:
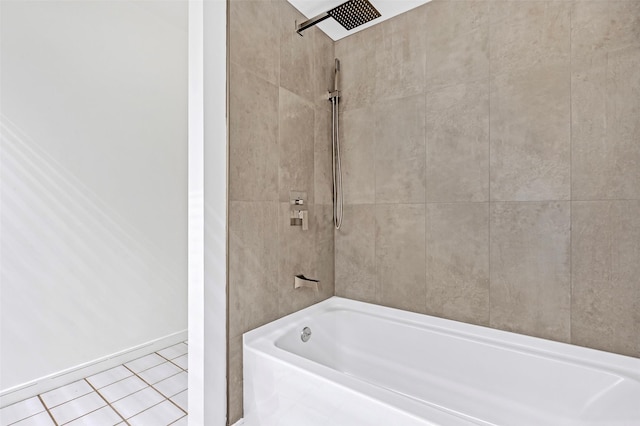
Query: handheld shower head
{"points": [[336, 72]]}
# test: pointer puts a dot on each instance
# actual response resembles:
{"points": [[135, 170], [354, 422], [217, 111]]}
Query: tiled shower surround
{"points": [[279, 140], [492, 167], [491, 158]]}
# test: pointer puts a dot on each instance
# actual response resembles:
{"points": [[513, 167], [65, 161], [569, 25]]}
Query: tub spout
{"points": [[302, 281]]}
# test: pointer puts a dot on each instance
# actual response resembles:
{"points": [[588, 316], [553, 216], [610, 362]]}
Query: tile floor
{"points": [[148, 391]]}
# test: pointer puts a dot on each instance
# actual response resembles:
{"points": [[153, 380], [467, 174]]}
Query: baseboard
{"points": [[61, 378], [239, 422]]}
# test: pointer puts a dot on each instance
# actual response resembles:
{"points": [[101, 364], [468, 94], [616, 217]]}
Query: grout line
{"points": [[68, 400], [134, 374], [571, 6], [489, 166], [107, 385], [167, 396], [47, 409], [426, 222], [177, 420], [148, 408], [151, 386], [171, 361], [179, 407], [149, 368], [583, 200], [105, 400]]}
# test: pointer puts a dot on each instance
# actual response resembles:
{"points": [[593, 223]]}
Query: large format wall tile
{"points": [[295, 145], [253, 265], [296, 54], [298, 254], [530, 268], [355, 253], [457, 138], [457, 43], [234, 378], [601, 27], [357, 150], [457, 237], [400, 159], [528, 34], [606, 129], [322, 157], [357, 54], [605, 246], [531, 135], [400, 255], [414, 119], [253, 137], [254, 37], [324, 249], [296, 249], [324, 68], [277, 108], [400, 58]]}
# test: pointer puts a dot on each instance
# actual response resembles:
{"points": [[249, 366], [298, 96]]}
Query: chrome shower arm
{"points": [[311, 22]]}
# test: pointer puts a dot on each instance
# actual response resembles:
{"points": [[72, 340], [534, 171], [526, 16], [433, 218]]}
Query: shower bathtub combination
{"points": [[343, 362]]}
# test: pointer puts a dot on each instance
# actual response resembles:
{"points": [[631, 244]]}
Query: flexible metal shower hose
{"points": [[337, 168]]}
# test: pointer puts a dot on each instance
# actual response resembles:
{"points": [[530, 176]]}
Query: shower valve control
{"points": [[299, 210]]}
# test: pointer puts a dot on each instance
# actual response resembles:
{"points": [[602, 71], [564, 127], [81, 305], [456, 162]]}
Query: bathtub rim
{"points": [[261, 342], [264, 338]]}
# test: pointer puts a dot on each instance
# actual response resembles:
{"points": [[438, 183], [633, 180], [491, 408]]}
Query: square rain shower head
{"points": [[354, 13]]}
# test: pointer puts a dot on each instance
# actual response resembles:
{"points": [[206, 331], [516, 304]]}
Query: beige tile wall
{"points": [[491, 156], [491, 152], [279, 140]]}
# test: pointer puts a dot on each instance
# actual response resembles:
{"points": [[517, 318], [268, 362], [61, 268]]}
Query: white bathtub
{"points": [[369, 365]]}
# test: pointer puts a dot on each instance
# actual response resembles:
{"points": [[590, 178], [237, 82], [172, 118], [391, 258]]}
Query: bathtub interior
{"points": [[466, 370]]}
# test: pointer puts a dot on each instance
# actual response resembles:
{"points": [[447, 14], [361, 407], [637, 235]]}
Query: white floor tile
{"points": [[102, 417], [159, 372], [66, 393], [173, 385], [137, 402], [20, 410], [78, 407], [181, 400], [77, 404], [141, 364], [119, 390], [105, 378], [162, 414], [174, 351], [184, 421], [182, 361], [42, 419]]}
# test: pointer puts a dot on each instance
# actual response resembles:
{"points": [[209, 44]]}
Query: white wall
{"points": [[207, 212], [93, 181]]}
